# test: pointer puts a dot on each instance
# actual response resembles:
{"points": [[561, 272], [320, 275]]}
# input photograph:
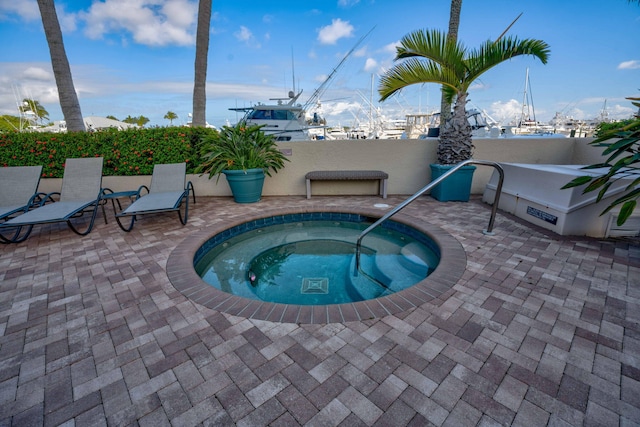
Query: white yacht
{"points": [[286, 121]]}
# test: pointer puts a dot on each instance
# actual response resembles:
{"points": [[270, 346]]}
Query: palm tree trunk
{"points": [[202, 51], [452, 36], [60, 64], [455, 144]]}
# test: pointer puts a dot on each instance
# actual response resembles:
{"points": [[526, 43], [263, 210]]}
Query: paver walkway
{"points": [[541, 330]]}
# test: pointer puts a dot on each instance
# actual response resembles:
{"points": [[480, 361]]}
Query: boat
{"points": [[417, 125], [285, 119], [569, 126], [527, 125]]}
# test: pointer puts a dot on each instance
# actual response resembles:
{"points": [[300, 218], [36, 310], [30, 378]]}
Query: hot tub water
{"points": [[312, 262]]}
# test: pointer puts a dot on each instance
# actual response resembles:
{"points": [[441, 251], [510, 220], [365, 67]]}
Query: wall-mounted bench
{"points": [[348, 175]]}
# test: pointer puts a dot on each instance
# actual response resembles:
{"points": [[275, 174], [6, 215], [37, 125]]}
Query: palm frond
{"points": [[432, 45], [412, 71], [491, 53]]}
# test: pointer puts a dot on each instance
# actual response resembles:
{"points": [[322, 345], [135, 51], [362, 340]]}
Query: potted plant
{"points": [[429, 56], [244, 154]]}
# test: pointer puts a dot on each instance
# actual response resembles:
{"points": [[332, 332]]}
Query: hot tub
{"points": [[533, 192]]}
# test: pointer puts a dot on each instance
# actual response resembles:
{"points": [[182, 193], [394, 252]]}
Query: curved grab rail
{"points": [[428, 187]]}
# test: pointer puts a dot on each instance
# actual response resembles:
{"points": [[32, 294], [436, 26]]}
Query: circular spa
{"points": [[301, 266], [310, 259]]}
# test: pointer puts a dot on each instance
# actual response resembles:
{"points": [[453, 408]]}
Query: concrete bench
{"points": [[348, 175]]}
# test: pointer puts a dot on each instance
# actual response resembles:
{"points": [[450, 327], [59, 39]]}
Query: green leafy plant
{"points": [[239, 147], [606, 127], [622, 146], [126, 152]]}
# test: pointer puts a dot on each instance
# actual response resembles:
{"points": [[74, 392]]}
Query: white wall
{"points": [[406, 162]]}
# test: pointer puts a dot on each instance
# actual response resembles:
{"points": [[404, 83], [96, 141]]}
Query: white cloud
{"points": [[347, 3], [505, 112], [477, 86], [360, 52], [338, 29], [244, 34], [26, 80], [348, 110], [621, 112], [27, 10], [150, 22], [320, 78], [68, 21], [37, 73], [391, 47], [370, 65], [629, 65]]}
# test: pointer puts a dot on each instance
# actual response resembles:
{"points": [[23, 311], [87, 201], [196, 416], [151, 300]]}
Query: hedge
{"points": [[125, 152]]}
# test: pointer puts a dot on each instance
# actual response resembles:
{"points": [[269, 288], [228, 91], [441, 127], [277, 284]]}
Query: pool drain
{"points": [[315, 285]]}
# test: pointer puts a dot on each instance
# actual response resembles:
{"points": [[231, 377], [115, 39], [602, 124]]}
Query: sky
{"points": [[136, 57]]}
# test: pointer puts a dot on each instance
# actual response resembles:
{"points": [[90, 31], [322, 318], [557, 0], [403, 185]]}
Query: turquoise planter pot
{"points": [[246, 186], [455, 188]]}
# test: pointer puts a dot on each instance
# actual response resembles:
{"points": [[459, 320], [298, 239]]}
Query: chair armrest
{"points": [[48, 197], [142, 187]]}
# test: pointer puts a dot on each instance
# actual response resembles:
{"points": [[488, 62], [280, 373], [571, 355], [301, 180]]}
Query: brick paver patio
{"points": [[540, 330]]}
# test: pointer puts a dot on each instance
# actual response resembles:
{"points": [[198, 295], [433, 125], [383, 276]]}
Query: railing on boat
{"points": [[428, 187]]}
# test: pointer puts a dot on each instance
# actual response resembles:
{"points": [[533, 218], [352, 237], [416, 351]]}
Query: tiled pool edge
{"points": [[184, 278]]}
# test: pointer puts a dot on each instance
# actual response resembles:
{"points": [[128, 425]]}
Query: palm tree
{"points": [[429, 57], [171, 116], [34, 106], [60, 64], [202, 51], [142, 120]]}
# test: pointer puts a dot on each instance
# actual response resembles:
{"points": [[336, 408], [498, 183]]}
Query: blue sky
{"points": [[135, 57]]}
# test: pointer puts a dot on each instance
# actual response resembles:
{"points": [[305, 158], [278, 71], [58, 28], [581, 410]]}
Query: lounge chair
{"points": [[167, 193], [18, 191], [81, 193]]}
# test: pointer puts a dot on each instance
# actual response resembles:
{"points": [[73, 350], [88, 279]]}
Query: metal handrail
{"points": [[428, 187]]}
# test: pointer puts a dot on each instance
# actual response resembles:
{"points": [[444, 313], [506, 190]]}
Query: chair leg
{"points": [[91, 222], [126, 227], [192, 190], [20, 235], [184, 218]]}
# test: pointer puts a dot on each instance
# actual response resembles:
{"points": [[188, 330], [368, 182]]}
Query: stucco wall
{"points": [[406, 162], [586, 154]]}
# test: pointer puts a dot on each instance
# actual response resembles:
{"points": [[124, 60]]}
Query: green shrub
{"points": [[605, 128], [127, 152]]}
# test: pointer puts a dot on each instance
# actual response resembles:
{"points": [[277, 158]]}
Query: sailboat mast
{"points": [[524, 100], [371, 105]]}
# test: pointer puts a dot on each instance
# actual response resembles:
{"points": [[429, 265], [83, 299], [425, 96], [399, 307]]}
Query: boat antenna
{"points": [[293, 72], [509, 27], [323, 87]]}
